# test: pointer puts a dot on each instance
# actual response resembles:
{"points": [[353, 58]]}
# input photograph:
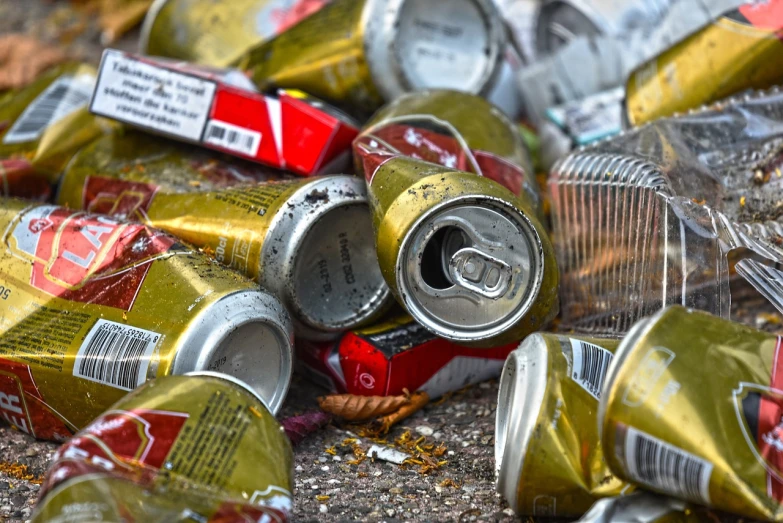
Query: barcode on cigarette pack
{"points": [[232, 137], [60, 99], [590, 365], [115, 354], [666, 468]]}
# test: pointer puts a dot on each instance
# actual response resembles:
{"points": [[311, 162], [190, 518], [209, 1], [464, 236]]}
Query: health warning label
{"points": [[152, 97]]}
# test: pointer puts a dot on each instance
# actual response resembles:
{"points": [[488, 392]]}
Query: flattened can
{"points": [[201, 447], [308, 241], [741, 50], [693, 408], [217, 33], [466, 257], [93, 307], [398, 354], [548, 455], [646, 507], [560, 21], [362, 52], [42, 126]]}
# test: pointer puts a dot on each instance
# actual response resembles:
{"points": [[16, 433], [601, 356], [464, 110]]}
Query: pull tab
{"points": [[480, 272]]}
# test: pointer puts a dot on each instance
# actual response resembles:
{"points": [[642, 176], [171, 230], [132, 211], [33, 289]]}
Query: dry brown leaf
{"points": [[23, 58], [417, 401], [120, 16], [356, 408]]}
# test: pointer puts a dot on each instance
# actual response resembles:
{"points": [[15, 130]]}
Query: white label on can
{"points": [[64, 96], [115, 354], [232, 137], [589, 366], [152, 97]]}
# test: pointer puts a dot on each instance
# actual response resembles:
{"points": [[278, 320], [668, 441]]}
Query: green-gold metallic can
{"points": [[203, 446]]}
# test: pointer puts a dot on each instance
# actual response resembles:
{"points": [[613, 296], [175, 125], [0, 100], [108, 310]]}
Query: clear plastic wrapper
{"points": [[668, 213]]}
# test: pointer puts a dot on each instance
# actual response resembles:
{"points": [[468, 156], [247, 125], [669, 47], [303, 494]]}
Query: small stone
{"points": [[4, 485], [395, 490], [18, 501], [325, 468], [26, 512], [390, 512], [437, 435], [322, 459], [336, 458], [425, 430], [323, 509], [484, 385], [31, 452], [377, 473], [299, 468], [465, 444], [486, 440], [438, 489], [508, 511]]}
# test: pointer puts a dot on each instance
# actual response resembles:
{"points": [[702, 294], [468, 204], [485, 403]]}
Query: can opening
{"points": [[436, 256]]}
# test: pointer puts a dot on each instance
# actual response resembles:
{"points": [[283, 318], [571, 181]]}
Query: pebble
{"points": [[508, 511], [325, 468], [4, 485], [299, 468], [424, 430], [465, 444], [336, 458], [322, 459], [437, 435], [31, 452], [323, 509], [390, 512]]}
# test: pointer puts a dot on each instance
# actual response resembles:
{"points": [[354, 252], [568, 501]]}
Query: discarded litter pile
{"points": [[344, 188]]}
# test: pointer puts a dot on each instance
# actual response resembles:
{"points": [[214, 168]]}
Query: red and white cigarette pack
{"points": [[400, 354], [221, 110]]}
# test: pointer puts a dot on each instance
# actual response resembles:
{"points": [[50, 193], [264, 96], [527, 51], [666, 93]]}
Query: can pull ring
{"points": [[479, 272]]}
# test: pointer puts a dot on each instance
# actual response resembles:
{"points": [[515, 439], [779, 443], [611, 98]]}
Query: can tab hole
{"points": [[436, 256]]}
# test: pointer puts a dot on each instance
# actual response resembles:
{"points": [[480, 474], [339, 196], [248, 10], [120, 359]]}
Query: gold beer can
{"points": [[461, 243], [362, 52], [741, 50], [309, 241], [548, 456], [92, 307], [201, 447], [693, 408]]}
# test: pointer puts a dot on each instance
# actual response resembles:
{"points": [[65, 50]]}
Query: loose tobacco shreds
{"points": [[19, 471]]}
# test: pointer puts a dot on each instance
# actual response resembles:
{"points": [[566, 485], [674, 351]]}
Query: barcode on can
{"points": [[666, 468], [232, 137], [61, 98], [589, 366], [115, 354]]}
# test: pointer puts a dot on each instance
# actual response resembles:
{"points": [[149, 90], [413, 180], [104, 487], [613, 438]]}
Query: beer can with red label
{"points": [[692, 408], [394, 355], [221, 110], [309, 241], [548, 456], [457, 218], [359, 53], [41, 128], [93, 307], [201, 447]]}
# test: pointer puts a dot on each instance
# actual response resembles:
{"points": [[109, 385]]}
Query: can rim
{"points": [[231, 379], [202, 339], [637, 331], [279, 264], [536, 281], [520, 398], [146, 25]]}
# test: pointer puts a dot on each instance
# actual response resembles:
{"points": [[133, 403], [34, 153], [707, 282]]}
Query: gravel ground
{"points": [[328, 488]]}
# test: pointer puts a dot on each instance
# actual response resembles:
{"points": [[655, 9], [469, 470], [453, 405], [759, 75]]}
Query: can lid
{"points": [[246, 335], [319, 257], [470, 268], [418, 44], [521, 394]]}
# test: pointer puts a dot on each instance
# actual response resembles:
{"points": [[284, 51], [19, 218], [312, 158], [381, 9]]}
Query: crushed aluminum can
{"points": [[398, 354], [467, 257], [692, 407], [217, 33], [309, 241], [42, 126], [521, 17], [94, 307], [633, 234], [741, 50], [548, 456], [211, 108], [202, 447], [560, 21], [592, 118], [646, 507], [362, 52]]}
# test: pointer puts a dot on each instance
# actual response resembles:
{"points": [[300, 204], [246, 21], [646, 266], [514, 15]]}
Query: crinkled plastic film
{"points": [[669, 212]]}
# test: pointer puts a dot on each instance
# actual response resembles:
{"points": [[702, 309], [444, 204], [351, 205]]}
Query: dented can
{"points": [[394, 355], [360, 53], [309, 241], [217, 33], [692, 408], [548, 455], [741, 50], [94, 307], [467, 257], [42, 126], [201, 447], [646, 507]]}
